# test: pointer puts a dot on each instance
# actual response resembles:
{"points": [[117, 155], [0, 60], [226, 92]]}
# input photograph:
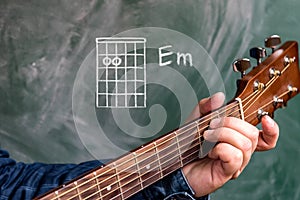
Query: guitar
{"points": [[267, 87]]}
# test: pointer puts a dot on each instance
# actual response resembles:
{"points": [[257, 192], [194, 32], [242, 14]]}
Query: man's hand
{"points": [[237, 140]]}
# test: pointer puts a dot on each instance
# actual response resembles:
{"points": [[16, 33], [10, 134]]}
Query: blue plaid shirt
{"points": [[26, 181]]}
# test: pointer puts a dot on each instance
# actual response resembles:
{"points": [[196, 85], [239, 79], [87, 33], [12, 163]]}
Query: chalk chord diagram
{"points": [[121, 72]]}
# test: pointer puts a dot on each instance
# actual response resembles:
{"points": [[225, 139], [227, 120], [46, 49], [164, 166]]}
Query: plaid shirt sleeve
{"points": [[26, 181]]}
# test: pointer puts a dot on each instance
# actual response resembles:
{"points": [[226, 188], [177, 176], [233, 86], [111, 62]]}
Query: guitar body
{"points": [[260, 92]]}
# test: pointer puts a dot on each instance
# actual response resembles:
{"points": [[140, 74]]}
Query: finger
{"points": [[239, 126], [268, 137], [229, 136], [234, 138], [230, 158], [206, 105]]}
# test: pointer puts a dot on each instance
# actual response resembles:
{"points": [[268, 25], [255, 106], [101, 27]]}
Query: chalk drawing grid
{"points": [[121, 72]]}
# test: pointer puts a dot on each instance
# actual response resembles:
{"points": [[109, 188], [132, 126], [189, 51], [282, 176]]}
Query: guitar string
{"points": [[253, 97], [139, 184], [228, 107], [253, 113], [125, 184], [272, 81], [196, 143], [166, 161], [268, 84], [160, 158], [155, 169], [271, 102], [137, 163], [251, 101], [157, 173]]}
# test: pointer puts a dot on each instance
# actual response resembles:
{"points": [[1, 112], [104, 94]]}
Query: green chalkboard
{"points": [[44, 44]]}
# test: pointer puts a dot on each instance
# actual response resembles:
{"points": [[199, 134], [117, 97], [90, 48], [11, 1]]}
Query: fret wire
{"points": [[227, 108], [77, 190], [118, 181], [179, 151], [231, 113], [98, 185], [199, 131], [144, 159], [146, 173], [153, 148], [138, 169], [56, 193], [154, 176], [157, 154], [196, 144], [126, 184], [177, 138], [207, 116], [158, 172], [195, 152], [126, 176]]}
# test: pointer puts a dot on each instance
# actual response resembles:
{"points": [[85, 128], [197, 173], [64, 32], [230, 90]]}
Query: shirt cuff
{"points": [[173, 186]]}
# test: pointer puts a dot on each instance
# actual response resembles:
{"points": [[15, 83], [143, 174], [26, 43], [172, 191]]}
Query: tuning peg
{"points": [[272, 42], [241, 65], [261, 113], [258, 53], [278, 101]]}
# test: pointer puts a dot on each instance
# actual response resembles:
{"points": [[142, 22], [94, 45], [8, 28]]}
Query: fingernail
{"points": [[215, 123], [210, 136], [270, 121], [220, 95]]}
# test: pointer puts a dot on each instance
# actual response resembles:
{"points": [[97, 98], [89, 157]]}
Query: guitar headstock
{"points": [[270, 84]]}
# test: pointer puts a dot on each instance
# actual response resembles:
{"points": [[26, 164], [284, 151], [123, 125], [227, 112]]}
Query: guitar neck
{"points": [[134, 171], [263, 90]]}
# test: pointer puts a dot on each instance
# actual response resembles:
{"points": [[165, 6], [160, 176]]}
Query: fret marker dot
{"points": [[108, 188], [147, 166]]}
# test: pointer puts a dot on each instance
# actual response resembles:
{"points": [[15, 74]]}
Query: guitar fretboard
{"points": [[260, 92], [131, 173]]}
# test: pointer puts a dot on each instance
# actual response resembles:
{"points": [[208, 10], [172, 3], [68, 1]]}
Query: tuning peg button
{"points": [[241, 65], [292, 89], [272, 42], [261, 113], [258, 53], [278, 101]]}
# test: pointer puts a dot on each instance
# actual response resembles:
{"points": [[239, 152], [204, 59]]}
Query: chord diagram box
{"points": [[121, 72]]}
